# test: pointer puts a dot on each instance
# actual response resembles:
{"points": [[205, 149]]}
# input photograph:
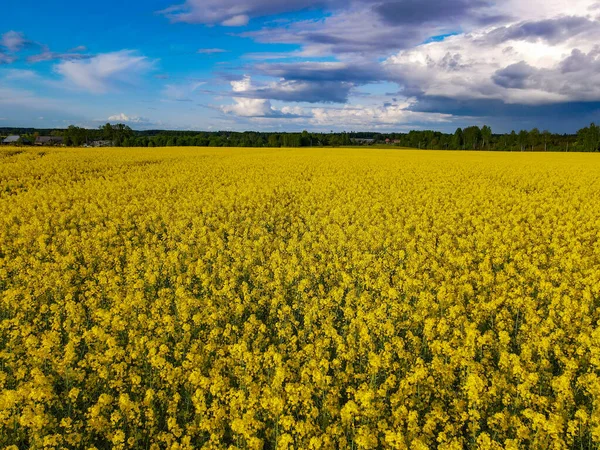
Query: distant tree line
{"points": [[470, 138]]}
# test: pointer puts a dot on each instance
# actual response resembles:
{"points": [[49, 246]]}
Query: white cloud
{"points": [[357, 116], [477, 65], [236, 21], [373, 116], [104, 72], [122, 117], [256, 107], [250, 107]]}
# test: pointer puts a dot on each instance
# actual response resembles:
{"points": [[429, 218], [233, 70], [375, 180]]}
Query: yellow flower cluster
{"points": [[299, 299]]}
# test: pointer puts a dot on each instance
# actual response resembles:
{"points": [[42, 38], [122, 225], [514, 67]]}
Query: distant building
{"points": [[360, 141], [15, 139], [49, 140], [101, 144]]}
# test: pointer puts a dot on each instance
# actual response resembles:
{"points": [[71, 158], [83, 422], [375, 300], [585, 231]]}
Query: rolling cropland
{"points": [[325, 298]]}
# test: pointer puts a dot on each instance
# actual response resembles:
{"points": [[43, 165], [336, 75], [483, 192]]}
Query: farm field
{"points": [[299, 299]]}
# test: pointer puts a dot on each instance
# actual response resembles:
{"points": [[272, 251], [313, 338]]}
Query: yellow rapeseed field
{"points": [[191, 298]]}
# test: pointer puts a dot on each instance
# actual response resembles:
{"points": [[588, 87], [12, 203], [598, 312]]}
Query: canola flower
{"points": [[299, 299]]}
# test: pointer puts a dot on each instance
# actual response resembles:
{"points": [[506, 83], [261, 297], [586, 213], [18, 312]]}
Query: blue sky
{"points": [[290, 65]]}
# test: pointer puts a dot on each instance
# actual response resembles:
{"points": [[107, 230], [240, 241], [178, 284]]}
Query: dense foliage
{"points": [[471, 138], [307, 299]]}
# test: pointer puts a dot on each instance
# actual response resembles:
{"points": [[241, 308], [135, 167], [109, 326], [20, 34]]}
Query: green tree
{"points": [[513, 140], [486, 136], [534, 138], [273, 140], [108, 132], [75, 136], [472, 137], [546, 136], [457, 139], [523, 139], [589, 138]]}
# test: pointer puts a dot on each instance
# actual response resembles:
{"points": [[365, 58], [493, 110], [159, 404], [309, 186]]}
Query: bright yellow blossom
{"points": [[191, 298]]}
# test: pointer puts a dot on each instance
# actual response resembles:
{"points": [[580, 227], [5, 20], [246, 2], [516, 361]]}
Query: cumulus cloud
{"points": [[312, 82], [375, 116], [357, 116], [525, 63], [379, 27], [448, 57], [124, 118], [255, 107], [575, 78], [104, 72]]}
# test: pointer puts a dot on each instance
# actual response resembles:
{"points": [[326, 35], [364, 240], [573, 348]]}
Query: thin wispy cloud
{"points": [[14, 41], [210, 51], [105, 72], [181, 92], [47, 55]]}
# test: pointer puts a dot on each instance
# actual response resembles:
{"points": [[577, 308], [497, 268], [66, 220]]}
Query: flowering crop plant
{"points": [[190, 298]]}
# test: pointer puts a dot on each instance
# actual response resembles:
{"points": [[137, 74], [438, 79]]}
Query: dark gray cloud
{"points": [[324, 71], [302, 91], [550, 30], [562, 117], [515, 76], [354, 26], [576, 77], [344, 34], [316, 82], [395, 12], [579, 61], [419, 12], [376, 27]]}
